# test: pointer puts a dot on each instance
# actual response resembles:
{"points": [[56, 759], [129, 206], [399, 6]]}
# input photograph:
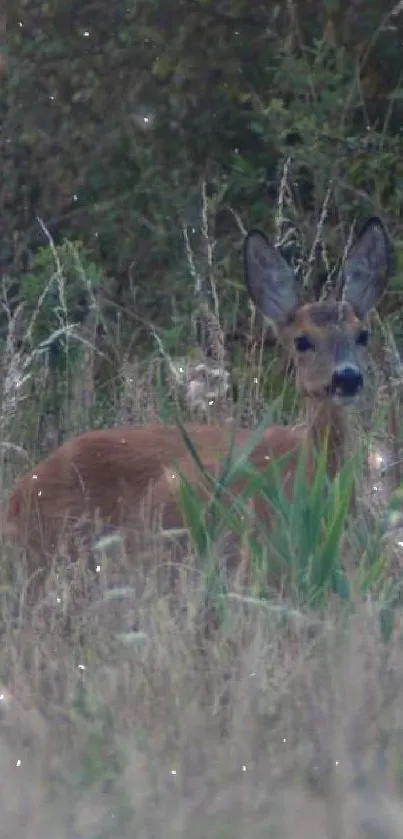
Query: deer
{"points": [[111, 472]]}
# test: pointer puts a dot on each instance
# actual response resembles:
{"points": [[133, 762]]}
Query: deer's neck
{"points": [[329, 422]]}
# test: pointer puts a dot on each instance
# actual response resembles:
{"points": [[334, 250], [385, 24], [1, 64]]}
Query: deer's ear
{"points": [[269, 279], [367, 267]]}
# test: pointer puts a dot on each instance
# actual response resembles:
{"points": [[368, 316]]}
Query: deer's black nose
{"points": [[347, 380]]}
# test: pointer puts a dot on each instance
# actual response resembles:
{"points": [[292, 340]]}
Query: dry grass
{"points": [[118, 721]]}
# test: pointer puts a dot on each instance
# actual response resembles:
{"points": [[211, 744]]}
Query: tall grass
{"points": [[119, 720], [120, 717]]}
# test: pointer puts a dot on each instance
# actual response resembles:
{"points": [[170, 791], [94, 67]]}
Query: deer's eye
{"points": [[362, 338], [302, 343]]}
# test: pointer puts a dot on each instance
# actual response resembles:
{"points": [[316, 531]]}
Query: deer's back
{"points": [[99, 471]]}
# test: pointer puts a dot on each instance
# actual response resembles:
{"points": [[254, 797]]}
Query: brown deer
{"points": [[110, 472]]}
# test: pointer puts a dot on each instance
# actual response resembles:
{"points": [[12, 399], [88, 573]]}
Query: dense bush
{"points": [[115, 115]]}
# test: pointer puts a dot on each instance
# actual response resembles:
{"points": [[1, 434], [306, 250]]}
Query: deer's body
{"points": [[112, 472]]}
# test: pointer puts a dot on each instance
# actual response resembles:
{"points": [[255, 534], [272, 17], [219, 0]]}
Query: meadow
{"points": [[154, 695]]}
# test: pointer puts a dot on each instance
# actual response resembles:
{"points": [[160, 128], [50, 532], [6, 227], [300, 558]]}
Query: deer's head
{"points": [[326, 339]]}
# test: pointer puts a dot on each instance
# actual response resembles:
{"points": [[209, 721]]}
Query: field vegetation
{"points": [[152, 694]]}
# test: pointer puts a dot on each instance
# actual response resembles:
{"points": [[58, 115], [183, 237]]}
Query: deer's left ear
{"points": [[269, 279], [367, 267]]}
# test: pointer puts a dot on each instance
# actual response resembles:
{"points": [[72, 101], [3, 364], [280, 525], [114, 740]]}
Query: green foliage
{"points": [[59, 289], [314, 549], [304, 552], [113, 116]]}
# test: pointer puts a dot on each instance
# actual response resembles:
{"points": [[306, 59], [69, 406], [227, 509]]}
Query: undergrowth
{"points": [[122, 717], [162, 694]]}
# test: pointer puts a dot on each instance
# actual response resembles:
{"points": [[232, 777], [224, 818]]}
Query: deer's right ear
{"points": [[269, 279], [368, 266]]}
